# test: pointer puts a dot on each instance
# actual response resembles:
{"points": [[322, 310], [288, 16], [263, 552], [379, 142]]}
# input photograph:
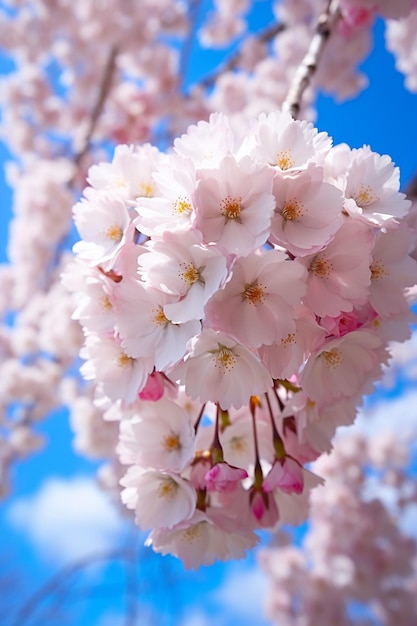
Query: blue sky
{"points": [[57, 516]]}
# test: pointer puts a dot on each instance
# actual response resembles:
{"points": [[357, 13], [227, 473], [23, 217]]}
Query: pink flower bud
{"points": [[154, 388], [224, 477], [264, 508], [286, 475]]}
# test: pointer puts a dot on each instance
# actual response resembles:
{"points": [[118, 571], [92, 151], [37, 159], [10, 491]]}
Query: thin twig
{"points": [[264, 37], [27, 610], [309, 64], [103, 92]]}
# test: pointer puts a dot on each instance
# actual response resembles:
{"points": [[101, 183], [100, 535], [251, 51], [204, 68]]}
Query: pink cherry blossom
{"points": [[144, 328], [234, 204], [120, 375], [339, 276], [160, 436], [392, 271], [285, 143], [219, 369], [341, 368], [129, 175], [224, 477], [181, 266], [286, 475], [308, 211], [372, 188], [171, 208], [257, 303], [159, 499], [102, 221], [199, 541]]}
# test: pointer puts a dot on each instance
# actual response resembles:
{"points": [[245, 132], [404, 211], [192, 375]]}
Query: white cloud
{"points": [[67, 519], [398, 415], [242, 594], [197, 618]]}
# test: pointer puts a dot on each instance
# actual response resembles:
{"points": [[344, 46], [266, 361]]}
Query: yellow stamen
{"points": [[378, 270], [171, 442], [160, 318], [332, 358], [321, 267], [225, 358], [192, 533], [182, 206], [147, 189], [115, 233], [292, 210], [124, 360], [365, 196], [190, 274], [289, 340], [167, 488], [105, 303], [231, 208], [238, 444], [254, 294], [285, 160]]}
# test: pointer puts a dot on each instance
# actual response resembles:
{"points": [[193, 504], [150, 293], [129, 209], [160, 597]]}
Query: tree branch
{"points": [[103, 92], [264, 37], [309, 64], [27, 610]]}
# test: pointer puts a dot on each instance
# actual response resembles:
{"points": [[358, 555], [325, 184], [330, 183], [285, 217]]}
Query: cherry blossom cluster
{"points": [[360, 550], [237, 297], [92, 75]]}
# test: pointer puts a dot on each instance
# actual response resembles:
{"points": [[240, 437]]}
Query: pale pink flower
{"points": [[342, 367], [200, 541], [297, 444], [103, 222], [220, 29], [285, 143], [257, 303], [129, 175], [160, 436], [224, 477], [172, 208], [93, 294], [284, 358], [339, 276], [392, 271], [159, 499], [119, 374], [219, 369], [144, 328], [237, 439], [372, 188], [234, 204], [207, 143], [347, 322], [182, 267], [286, 475], [294, 508], [401, 38], [308, 211]]}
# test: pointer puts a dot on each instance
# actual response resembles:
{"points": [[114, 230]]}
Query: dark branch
{"points": [[103, 92], [264, 37], [309, 64]]}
